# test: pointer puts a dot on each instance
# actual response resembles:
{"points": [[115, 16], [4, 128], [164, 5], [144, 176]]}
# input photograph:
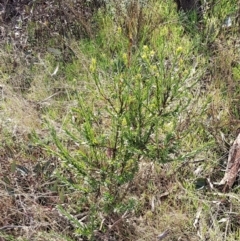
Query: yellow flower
{"points": [[186, 72], [144, 56], [180, 62], [179, 50], [93, 65], [145, 48], [153, 68], [119, 30], [125, 58], [152, 53], [138, 76], [124, 122]]}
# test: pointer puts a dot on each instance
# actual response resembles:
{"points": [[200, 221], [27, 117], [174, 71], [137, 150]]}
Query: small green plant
{"points": [[129, 115]]}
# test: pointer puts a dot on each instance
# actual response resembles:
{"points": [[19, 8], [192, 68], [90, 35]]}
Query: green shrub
{"points": [[127, 114]]}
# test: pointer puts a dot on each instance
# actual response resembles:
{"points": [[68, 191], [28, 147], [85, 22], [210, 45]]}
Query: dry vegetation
{"points": [[116, 120]]}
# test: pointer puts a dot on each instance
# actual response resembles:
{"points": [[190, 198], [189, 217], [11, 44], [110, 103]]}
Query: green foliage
{"points": [[224, 8], [236, 73], [128, 114]]}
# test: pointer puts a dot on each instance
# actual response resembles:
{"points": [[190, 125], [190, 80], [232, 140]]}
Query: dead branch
{"points": [[232, 166]]}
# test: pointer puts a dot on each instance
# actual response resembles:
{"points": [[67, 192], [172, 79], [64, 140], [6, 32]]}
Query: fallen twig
{"points": [[163, 234]]}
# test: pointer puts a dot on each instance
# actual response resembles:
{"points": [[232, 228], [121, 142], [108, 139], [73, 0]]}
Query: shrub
{"points": [[126, 114]]}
